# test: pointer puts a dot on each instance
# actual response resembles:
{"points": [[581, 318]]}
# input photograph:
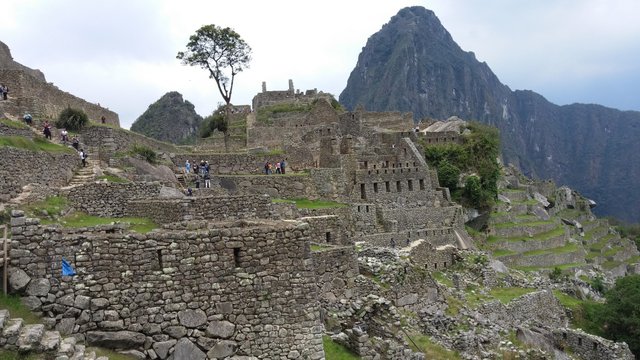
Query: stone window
{"points": [[410, 184], [375, 187], [421, 184], [236, 257], [327, 236], [435, 266], [363, 194], [159, 255], [444, 264], [405, 151], [367, 208], [398, 186], [386, 184], [595, 346], [579, 341]]}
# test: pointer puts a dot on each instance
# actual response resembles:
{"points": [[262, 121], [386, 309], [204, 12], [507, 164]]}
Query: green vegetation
{"points": [[631, 231], [318, 247], [112, 178], [37, 144], [72, 119], [335, 351], [569, 248], [215, 121], [14, 355], [310, 204], [477, 154], [52, 206], [145, 152], [265, 114], [13, 124], [17, 309], [439, 276], [507, 294], [75, 220], [424, 344]]}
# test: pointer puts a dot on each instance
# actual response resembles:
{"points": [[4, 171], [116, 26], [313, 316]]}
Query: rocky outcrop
{"points": [[413, 64]]}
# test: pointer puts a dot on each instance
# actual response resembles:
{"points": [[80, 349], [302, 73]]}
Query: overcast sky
{"points": [[121, 53]]}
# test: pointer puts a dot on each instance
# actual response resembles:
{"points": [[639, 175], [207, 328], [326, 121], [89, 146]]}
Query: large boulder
{"points": [[18, 279], [186, 350], [192, 318]]}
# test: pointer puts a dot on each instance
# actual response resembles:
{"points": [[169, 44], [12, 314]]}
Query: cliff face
{"points": [[170, 119], [413, 64]]}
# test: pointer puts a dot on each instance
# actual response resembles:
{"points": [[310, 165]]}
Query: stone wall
{"points": [[120, 140], [280, 186], [109, 199], [590, 347], [19, 167], [215, 208], [427, 256], [218, 289], [327, 229], [14, 128], [336, 270], [402, 238], [45, 100]]}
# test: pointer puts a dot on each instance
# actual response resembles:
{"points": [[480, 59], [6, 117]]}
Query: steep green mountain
{"points": [[170, 119], [413, 64]]}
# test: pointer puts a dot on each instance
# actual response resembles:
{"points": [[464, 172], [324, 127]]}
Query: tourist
{"points": [[266, 168], [5, 91], [283, 164], [75, 143], [64, 136], [189, 192], [207, 180], [28, 119], [278, 168], [187, 167], [206, 167], [103, 119], [47, 130], [2, 92], [83, 157]]}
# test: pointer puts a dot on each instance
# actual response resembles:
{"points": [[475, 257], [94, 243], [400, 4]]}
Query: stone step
{"points": [[50, 341], [11, 330], [30, 337]]}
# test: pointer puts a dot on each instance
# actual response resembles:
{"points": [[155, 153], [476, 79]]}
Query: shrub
{"points": [[146, 153], [72, 119], [597, 283], [448, 175], [557, 275], [215, 121]]}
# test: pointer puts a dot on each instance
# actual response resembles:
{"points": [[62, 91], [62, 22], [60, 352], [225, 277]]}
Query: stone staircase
{"points": [[85, 174], [34, 338]]}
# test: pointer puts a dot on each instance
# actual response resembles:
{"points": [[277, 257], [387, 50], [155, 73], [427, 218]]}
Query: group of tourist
{"points": [[280, 167], [201, 172], [4, 91]]}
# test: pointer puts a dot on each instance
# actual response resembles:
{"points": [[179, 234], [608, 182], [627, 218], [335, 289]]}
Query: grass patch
{"points": [[432, 350], [112, 178], [558, 231], [507, 294], [581, 310], [317, 247], [514, 224], [37, 144], [17, 309], [334, 351], [265, 114], [503, 252], [439, 276], [14, 355], [538, 268], [77, 220], [310, 204], [13, 124], [569, 248], [52, 205]]}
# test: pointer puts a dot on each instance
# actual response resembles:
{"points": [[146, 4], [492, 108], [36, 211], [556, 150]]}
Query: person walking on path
{"points": [[75, 143], [283, 165], [47, 130], [28, 119], [83, 157], [187, 167]]}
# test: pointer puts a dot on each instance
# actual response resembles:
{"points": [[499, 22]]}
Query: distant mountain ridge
{"points": [[413, 64], [171, 119]]}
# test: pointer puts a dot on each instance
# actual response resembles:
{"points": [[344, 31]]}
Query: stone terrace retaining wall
{"points": [[293, 186], [109, 199], [202, 208], [6, 130], [243, 288], [121, 140], [19, 167], [245, 163]]}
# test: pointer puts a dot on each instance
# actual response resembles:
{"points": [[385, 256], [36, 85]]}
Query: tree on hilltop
{"points": [[224, 54]]}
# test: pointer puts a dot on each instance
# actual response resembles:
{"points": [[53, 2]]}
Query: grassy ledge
{"points": [[335, 351], [37, 144]]}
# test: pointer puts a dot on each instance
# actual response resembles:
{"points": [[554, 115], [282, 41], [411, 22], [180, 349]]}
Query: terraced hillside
{"points": [[538, 227]]}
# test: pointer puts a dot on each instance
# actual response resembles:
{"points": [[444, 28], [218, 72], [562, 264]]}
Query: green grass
{"points": [[579, 309], [507, 294], [310, 204], [334, 351], [53, 205], [14, 355], [112, 178], [514, 224], [538, 268], [17, 309], [430, 348], [37, 144], [439, 276], [503, 252], [541, 236], [316, 247], [76, 220], [13, 124], [569, 248]]}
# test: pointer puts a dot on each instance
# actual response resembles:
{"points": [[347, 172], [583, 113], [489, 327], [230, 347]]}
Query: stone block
{"points": [[38, 287], [223, 349], [192, 318], [186, 350], [221, 329]]}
